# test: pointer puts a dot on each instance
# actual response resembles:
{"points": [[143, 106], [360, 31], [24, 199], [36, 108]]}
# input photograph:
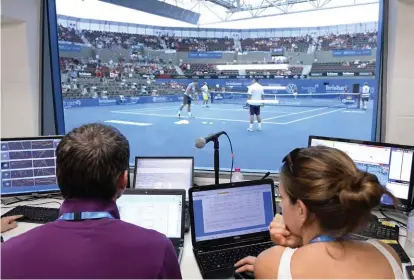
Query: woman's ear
{"points": [[302, 211]]}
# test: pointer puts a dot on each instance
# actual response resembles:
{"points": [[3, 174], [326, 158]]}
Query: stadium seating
{"points": [[68, 34], [96, 88], [228, 72], [291, 44], [347, 41], [290, 71], [199, 44], [110, 40], [358, 66], [198, 69]]}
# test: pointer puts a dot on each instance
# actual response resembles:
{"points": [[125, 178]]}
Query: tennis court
{"points": [[153, 129]]}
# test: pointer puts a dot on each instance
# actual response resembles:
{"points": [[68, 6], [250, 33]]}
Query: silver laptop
{"points": [[164, 173], [157, 209]]}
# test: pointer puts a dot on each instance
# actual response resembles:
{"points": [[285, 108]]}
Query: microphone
{"points": [[201, 142], [266, 175]]}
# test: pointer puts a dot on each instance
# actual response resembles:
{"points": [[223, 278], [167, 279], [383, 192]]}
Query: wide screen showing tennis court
{"points": [[268, 88]]}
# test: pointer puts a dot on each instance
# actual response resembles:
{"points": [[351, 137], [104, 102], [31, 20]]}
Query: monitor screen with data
{"points": [[392, 164], [232, 212], [28, 165], [164, 173], [162, 213]]}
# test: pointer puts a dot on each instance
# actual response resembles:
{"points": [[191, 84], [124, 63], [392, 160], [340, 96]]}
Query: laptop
{"points": [[165, 173], [161, 210], [230, 222]]}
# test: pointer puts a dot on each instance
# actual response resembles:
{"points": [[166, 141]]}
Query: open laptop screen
{"points": [[232, 212], [164, 173], [162, 213]]}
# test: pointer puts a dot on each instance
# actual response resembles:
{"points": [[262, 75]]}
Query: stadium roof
{"points": [[247, 5], [309, 13], [230, 10]]}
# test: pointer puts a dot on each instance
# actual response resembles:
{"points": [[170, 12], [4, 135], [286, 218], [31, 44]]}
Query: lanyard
{"points": [[323, 238], [79, 216]]}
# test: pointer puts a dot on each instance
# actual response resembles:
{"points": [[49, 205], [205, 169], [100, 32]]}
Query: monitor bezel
{"points": [[406, 204], [182, 193], [52, 137], [161, 158], [257, 237]]}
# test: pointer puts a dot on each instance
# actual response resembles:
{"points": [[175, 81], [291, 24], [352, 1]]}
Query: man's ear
{"points": [[123, 181]]}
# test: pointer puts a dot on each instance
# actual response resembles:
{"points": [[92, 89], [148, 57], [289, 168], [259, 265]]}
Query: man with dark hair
{"points": [[89, 240]]}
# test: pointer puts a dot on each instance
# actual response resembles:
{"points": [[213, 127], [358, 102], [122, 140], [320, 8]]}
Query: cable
{"points": [[34, 204], [392, 219], [33, 197], [18, 200], [232, 157]]}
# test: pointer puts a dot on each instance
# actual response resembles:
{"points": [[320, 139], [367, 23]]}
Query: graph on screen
{"points": [[28, 165]]}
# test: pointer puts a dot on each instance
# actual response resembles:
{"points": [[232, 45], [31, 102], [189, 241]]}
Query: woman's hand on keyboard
{"points": [[8, 223], [246, 264], [281, 235]]}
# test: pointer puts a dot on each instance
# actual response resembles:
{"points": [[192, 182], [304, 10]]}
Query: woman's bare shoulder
{"points": [[267, 263]]}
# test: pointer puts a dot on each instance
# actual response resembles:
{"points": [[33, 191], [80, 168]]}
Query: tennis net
{"points": [[336, 100]]}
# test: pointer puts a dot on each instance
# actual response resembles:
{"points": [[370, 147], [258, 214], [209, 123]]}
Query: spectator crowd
{"points": [[111, 40]]}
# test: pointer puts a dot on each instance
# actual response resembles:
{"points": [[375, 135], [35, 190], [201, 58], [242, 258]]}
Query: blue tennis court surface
{"points": [[155, 130]]}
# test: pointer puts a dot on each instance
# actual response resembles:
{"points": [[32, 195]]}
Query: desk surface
{"points": [[189, 268]]}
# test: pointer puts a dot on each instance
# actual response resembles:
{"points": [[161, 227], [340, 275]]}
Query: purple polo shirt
{"points": [[106, 248]]}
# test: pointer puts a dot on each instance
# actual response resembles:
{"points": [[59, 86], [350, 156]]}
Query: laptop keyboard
{"points": [[228, 257]]}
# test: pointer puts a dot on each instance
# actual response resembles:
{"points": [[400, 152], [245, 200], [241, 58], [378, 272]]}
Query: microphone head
{"points": [[200, 143]]}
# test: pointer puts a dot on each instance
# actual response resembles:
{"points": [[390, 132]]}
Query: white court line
{"points": [[244, 110], [207, 109], [314, 116], [130, 123], [183, 117], [147, 109], [297, 113]]}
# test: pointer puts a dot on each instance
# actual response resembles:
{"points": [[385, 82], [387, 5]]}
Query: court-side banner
{"points": [[68, 47], [284, 86], [352, 53], [166, 76], [278, 51], [342, 74], [205, 55]]}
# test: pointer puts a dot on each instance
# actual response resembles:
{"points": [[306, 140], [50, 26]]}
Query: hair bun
{"points": [[363, 192]]}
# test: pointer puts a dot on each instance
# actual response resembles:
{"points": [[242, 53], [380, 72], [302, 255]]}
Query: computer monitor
{"points": [[391, 163], [28, 165], [164, 172]]}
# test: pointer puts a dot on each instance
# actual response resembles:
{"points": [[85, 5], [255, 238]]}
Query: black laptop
{"points": [[230, 222], [158, 209]]}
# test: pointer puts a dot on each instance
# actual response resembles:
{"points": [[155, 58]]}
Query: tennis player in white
{"points": [[188, 96], [365, 95], [204, 91], [256, 93]]}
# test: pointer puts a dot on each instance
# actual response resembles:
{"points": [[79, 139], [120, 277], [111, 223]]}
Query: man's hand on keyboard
{"points": [[246, 264], [8, 223], [281, 235]]}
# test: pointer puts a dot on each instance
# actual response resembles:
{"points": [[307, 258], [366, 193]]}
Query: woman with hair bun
{"points": [[324, 199]]}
